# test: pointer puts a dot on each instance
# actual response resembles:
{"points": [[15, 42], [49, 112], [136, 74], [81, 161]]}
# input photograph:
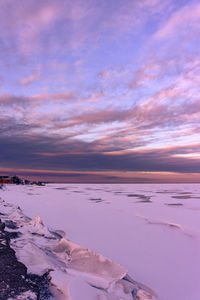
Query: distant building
{"points": [[5, 179], [16, 180], [13, 179]]}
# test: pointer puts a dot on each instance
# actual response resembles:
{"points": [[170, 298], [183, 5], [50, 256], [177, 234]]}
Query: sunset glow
{"points": [[100, 91]]}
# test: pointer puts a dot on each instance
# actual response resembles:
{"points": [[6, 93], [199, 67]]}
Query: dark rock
{"points": [[2, 226], [14, 234], [10, 224]]}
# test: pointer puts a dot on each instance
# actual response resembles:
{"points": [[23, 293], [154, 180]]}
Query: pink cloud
{"points": [[31, 20], [29, 79], [181, 20], [53, 96], [134, 14]]}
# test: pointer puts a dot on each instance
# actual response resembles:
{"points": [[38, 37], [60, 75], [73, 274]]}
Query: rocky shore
{"points": [[15, 282]]}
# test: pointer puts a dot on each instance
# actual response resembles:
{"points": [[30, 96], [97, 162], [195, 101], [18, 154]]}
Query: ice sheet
{"points": [[157, 241]]}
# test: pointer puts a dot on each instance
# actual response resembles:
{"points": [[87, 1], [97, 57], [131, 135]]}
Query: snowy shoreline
{"points": [[75, 272]]}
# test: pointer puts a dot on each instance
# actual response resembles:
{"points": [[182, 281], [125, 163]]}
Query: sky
{"points": [[100, 90]]}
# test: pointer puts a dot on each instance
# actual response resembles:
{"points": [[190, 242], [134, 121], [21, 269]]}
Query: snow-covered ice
{"points": [[151, 230]]}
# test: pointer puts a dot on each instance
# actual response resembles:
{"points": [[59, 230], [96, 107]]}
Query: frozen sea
{"points": [[153, 230]]}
